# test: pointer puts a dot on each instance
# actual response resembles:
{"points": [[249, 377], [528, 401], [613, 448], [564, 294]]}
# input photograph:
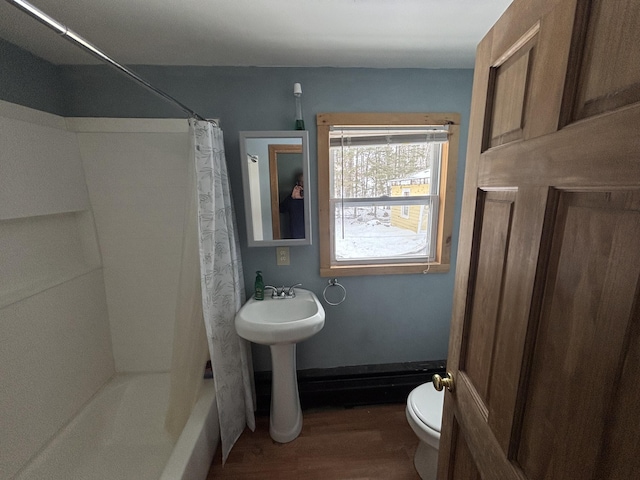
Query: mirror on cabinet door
{"points": [[275, 167]]}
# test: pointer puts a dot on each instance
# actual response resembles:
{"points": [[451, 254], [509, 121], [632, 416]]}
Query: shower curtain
{"points": [[221, 285]]}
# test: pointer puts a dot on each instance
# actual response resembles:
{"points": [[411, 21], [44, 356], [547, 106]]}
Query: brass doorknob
{"points": [[439, 383]]}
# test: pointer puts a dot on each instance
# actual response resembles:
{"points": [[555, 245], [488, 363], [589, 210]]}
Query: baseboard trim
{"points": [[353, 386]]}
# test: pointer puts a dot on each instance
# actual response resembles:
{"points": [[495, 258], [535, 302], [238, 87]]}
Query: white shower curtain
{"points": [[222, 285]]}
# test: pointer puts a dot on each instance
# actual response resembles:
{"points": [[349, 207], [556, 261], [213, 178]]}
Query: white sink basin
{"points": [[272, 321], [281, 323]]}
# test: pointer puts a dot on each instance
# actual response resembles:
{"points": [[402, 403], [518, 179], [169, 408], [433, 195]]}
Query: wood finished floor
{"points": [[372, 442]]}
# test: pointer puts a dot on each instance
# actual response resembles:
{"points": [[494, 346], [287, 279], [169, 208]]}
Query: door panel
{"points": [[619, 456], [494, 225], [533, 209], [465, 467], [610, 72], [590, 287], [545, 333], [509, 93], [542, 27]]}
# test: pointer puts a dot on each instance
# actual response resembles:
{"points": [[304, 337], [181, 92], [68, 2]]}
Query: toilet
{"points": [[424, 414]]}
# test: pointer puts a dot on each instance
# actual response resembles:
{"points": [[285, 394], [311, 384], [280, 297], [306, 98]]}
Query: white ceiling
{"points": [[305, 33]]}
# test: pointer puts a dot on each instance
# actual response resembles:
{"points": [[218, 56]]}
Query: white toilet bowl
{"points": [[424, 414]]}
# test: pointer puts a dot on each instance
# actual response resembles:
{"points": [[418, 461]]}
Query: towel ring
{"points": [[334, 283]]}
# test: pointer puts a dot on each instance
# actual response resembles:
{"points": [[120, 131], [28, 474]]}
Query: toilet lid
{"points": [[427, 404]]}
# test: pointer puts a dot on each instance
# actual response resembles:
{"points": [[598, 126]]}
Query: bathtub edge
{"points": [[193, 452]]}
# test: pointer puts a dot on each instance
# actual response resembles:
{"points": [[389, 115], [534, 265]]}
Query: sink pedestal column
{"points": [[285, 422]]}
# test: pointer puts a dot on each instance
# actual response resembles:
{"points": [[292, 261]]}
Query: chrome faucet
{"points": [[291, 292], [283, 292], [274, 290]]}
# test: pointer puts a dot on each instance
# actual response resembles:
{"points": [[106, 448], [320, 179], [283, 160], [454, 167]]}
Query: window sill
{"points": [[387, 269]]}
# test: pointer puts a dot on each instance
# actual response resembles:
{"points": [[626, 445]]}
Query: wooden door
{"points": [[545, 336]]}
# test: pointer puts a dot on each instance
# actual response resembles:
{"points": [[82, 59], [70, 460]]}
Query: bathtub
{"points": [[120, 434]]}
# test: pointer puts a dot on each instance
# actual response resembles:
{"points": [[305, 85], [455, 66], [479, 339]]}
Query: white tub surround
{"points": [[136, 172], [190, 346], [55, 344], [81, 300]]}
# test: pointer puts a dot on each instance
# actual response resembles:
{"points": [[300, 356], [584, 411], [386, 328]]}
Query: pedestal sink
{"points": [[281, 323]]}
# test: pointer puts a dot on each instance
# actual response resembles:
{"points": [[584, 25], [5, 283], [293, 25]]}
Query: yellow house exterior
{"points": [[411, 217]]}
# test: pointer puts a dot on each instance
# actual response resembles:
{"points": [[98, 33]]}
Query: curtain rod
{"points": [[76, 39]]}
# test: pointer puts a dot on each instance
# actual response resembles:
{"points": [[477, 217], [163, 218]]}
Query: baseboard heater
{"points": [[352, 386]]}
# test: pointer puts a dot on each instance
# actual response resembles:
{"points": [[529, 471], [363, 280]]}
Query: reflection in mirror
{"points": [[277, 206], [287, 192]]}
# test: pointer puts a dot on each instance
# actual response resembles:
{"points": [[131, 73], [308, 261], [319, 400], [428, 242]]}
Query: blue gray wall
{"points": [[385, 319], [30, 81]]}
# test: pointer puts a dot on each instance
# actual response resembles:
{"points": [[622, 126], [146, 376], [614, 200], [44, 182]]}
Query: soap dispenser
{"points": [[259, 286]]}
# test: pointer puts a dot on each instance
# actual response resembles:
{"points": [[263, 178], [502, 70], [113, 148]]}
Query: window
{"points": [[386, 191]]}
